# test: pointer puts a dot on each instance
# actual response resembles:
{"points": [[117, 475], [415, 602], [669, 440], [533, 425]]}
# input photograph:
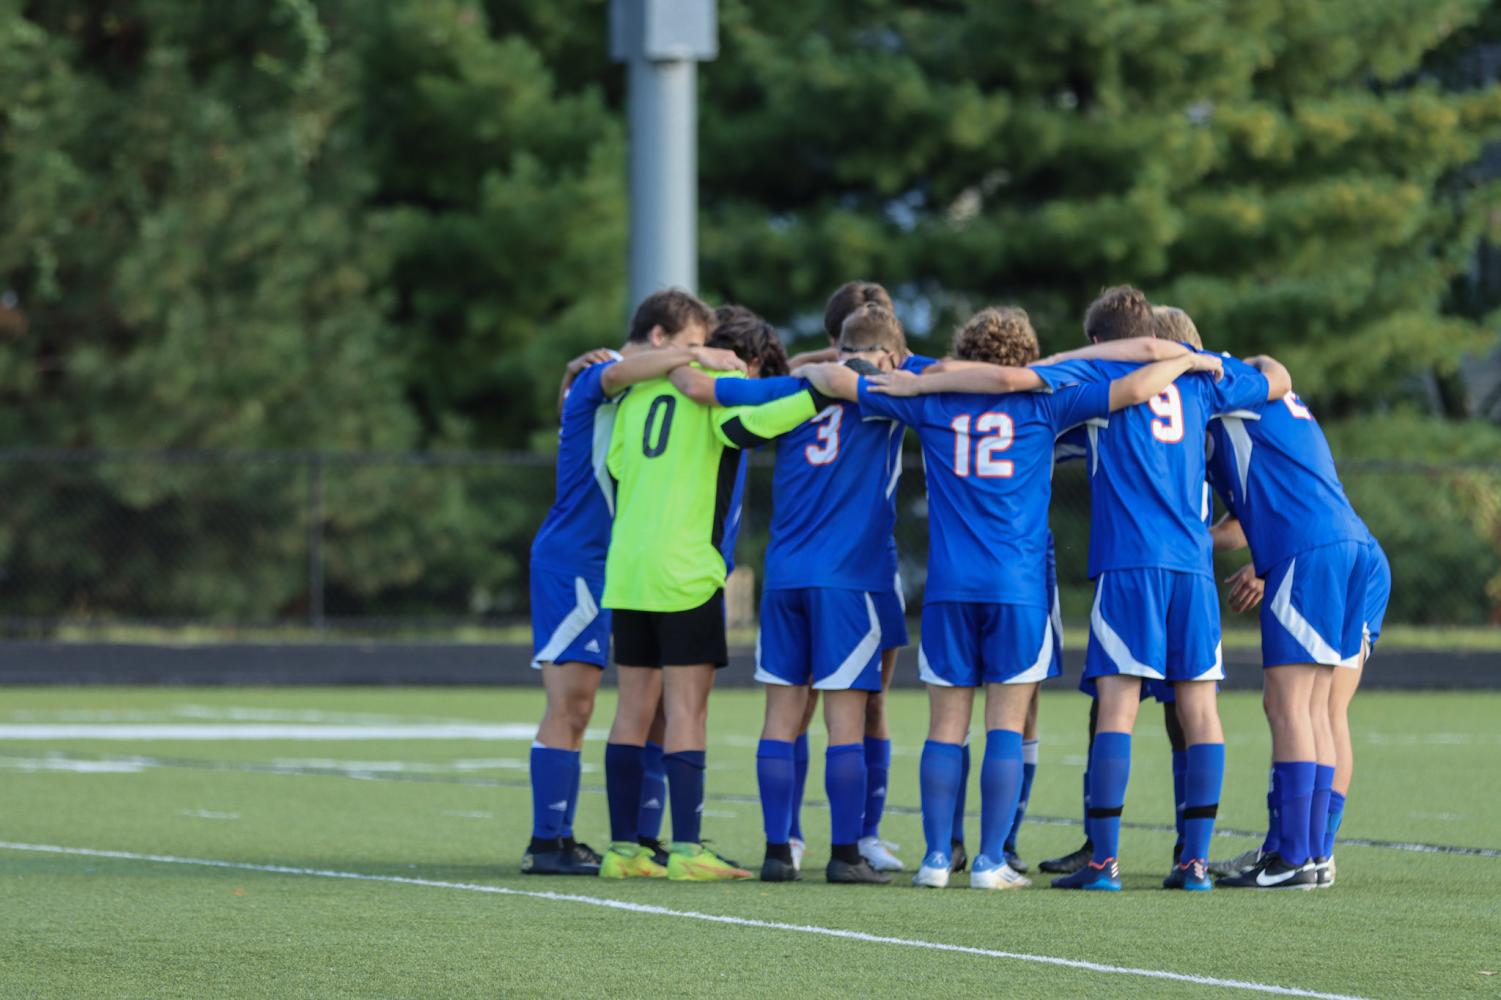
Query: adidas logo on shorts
{"points": [[592, 645]]}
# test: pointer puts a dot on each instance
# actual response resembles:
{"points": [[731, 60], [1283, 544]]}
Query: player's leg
{"points": [[1119, 697], [638, 696], [877, 741], [800, 758], [653, 791], [1342, 688], [1197, 710], [1029, 772], [949, 662], [1323, 777], [783, 665], [1067, 864], [1179, 744], [1001, 777]]}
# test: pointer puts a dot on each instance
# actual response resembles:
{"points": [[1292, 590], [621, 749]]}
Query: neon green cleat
{"points": [[696, 863], [627, 860]]}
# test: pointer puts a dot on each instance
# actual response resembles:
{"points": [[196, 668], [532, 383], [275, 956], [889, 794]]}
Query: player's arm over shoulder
{"points": [[1278, 379]]}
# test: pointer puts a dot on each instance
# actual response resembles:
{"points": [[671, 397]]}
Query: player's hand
{"points": [[588, 358], [718, 359], [1246, 588], [1210, 363], [898, 383]]}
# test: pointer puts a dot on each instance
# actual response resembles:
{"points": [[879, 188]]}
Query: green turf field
{"points": [[382, 783]]}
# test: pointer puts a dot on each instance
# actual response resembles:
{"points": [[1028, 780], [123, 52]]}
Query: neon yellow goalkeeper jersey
{"points": [[674, 462]]}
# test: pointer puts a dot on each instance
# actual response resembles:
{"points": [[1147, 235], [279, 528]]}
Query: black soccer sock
{"points": [[779, 852], [848, 853]]}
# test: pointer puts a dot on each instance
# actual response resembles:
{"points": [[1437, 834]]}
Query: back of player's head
{"points": [[872, 327], [673, 310], [753, 340], [846, 299], [998, 335], [1119, 313], [1175, 324]]}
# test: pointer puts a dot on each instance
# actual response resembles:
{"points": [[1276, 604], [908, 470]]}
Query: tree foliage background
{"points": [[337, 225]]}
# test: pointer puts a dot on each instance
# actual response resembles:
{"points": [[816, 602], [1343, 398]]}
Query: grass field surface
{"points": [[365, 843]]}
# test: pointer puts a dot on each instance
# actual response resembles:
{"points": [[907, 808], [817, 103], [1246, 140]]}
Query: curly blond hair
{"points": [[1175, 324], [1000, 335]]}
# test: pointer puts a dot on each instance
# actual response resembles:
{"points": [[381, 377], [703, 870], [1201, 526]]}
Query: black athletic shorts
{"points": [[671, 638]]}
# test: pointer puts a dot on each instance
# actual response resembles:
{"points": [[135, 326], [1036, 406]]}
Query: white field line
{"points": [[662, 911], [233, 732]]}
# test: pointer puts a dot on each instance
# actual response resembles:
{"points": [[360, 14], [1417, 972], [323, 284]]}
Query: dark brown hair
{"points": [[750, 337], [1000, 335], [846, 299], [1119, 313], [672, 309], [873, 326]]}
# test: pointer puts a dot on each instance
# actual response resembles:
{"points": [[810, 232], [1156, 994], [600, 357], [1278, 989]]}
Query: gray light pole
{"points": [[661, 41]]}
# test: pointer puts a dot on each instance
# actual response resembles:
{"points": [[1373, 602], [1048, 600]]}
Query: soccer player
{"points": [[1156, 612], [987, 617], [571, 635], [675, 462], [1272, 467]]}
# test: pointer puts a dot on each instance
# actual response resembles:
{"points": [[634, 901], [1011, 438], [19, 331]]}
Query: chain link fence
{"points": [[416, 543]]}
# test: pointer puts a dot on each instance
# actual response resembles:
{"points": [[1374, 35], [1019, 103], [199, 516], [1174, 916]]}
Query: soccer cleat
{"points": [[627, 860], [1234, 866], [1191, 875], [959, 858], [878, 853], [1273, 873], [1015, 863], [581, 852], [1095, 876], [657, 848], [696, 863], [845, 873], [798, 848], [777, 870], [934, 873], [987, 874], [1324, 869], [1068, 863]]}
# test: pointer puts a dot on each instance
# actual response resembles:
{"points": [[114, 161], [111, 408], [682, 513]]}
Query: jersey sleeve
{"points": [[918, 363], [907, 409], [1076, 372], [1242, 388], [752, 426], [587, 392], [755, 391], [1071, 405]]}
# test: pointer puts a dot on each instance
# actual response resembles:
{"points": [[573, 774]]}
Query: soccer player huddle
{"points": [[641, 538]]}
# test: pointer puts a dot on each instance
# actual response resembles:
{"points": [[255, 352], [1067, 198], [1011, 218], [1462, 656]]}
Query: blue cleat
{"points": [[1192, 876], [1097, 876]]}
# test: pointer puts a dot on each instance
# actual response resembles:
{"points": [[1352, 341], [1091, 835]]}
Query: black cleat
{"points": [[558, 862], [657, 848], [1273, 873], [858, 873], [1017, 864], [1324, 869], [581, 852], [958, 857], [777, 870], [1069, 863]]}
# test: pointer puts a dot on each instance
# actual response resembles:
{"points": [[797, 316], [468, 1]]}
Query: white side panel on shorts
{"points": [[572, 626], [853, 664], [925, 672], [1297, 626], [1038, 671], [1114, 646], [763, 675]]}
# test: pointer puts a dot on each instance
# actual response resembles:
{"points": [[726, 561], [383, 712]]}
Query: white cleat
{"points": [[934, 873], [877, 853], [986, 874], [798, 847]]}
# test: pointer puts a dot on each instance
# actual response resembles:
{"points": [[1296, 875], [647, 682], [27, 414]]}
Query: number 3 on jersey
{"points": [[1167, 426], [827, 448], [987, 466]]}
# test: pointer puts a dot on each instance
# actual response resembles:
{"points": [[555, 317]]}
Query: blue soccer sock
{"points": [[623, 789], [653, 792], [775, 777], [799, 782], [1029, 771], [1180, 769], [877, 774], [1273, 838], [1336, 817], [941, 775], [1318, 809], [1109, 771], [1203, 774], [1294, 796], [552, 779], [575, 775], [1000, 790], [1088, 826], [844, 781], [957, 833], [685, 783]]}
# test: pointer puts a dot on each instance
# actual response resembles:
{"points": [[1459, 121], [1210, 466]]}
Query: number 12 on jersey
{"points": [[986, 465]]}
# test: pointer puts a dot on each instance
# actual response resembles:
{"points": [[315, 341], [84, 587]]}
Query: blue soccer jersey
{"points": [[746, 392], [575, 536], [1146, 469], [989, 462], [1270, 463]]}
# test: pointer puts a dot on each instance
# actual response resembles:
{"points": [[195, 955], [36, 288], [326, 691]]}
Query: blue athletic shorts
{"points": [[967, 644], [1314, 610], [1157, 624], [891, 608], [832, 638], [1378, 591], [568, 625]]}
